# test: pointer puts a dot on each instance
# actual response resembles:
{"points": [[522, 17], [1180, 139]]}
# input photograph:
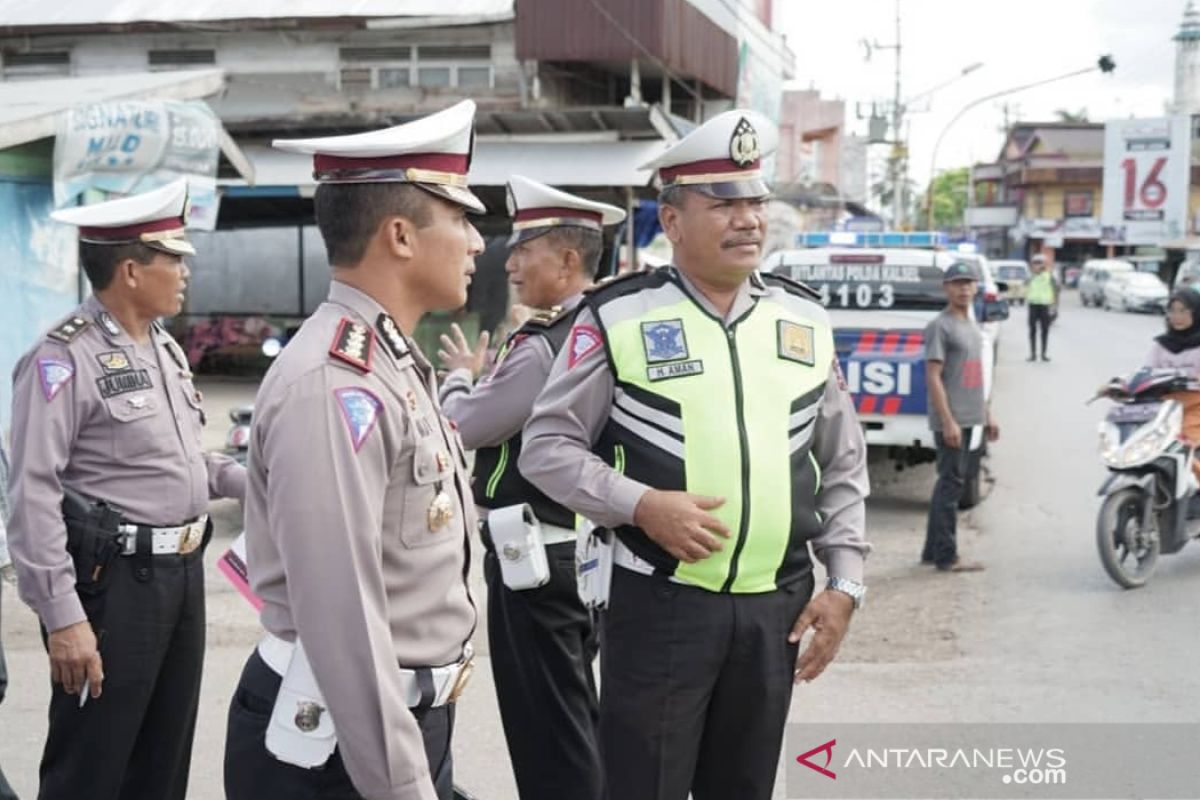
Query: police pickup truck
{"points": [[880, 298]]}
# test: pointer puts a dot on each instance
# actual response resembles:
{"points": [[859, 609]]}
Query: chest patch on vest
{"points": [[678, 369], [664, 341], [131, 380], [796, 343], [584, 341]]}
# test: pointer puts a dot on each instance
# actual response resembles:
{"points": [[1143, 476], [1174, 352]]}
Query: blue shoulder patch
{"points": [[361, 410]]}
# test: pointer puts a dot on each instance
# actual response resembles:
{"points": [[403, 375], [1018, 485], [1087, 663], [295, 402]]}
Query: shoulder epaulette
{"points": [[69, 329], [790, 285], [353, 344], [549, 318], [630, 282]]}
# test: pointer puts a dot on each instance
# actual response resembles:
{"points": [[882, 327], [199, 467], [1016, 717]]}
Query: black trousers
{"points": [[1039, 318], [941, 529], [695, 689], [6, 791], [252, 773], [135, 740], [542, 645]]}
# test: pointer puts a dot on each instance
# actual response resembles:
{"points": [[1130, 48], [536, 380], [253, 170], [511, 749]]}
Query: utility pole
{"points": [[898, 171]]}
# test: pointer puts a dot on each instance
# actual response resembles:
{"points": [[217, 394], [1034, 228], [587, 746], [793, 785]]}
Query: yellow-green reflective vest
{"points": [[1040, 289], [727, 412]]}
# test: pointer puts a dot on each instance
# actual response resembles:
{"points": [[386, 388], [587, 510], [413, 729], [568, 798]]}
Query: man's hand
{"points": [[74, 657], [829, 615], [952, 433], [992, 430], [679, 522], [456, 353]]}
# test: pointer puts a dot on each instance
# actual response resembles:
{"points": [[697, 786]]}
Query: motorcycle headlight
{"points": [[1144, 446]]}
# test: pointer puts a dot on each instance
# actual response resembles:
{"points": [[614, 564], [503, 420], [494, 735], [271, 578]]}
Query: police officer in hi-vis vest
{"points": [[698, 412], [541, 636], [109, 490], [358, 505]]}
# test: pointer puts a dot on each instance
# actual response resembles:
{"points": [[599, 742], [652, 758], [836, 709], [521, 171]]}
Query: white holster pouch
{"points": [[520, 549], [593, 564], [301, 730]]}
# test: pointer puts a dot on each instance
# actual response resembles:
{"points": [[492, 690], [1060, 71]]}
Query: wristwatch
{"points": [[856, 590]]}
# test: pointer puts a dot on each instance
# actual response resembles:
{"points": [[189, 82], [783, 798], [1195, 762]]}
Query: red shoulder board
{"points": [[354, 344]]}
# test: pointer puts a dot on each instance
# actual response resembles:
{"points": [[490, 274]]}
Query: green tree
{"points": [[948, 192], [1066, 115]]}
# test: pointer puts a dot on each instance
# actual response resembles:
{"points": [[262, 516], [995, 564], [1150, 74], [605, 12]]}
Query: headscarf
{"points": [[1177, 341]]}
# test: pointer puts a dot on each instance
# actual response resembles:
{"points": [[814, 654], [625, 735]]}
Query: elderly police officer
{"points": [[358, 512], [108, 490], [697, 411], [542, 639]]}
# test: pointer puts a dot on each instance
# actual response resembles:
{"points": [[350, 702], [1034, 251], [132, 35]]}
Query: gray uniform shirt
{"points": [[114, 421], [341, 540], [958, 343], [500, 404], [572, 410]]}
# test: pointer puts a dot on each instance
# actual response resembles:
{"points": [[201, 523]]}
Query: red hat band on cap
{"points": [[130, 232], [705, 171], [447, 168], [556, 215]]}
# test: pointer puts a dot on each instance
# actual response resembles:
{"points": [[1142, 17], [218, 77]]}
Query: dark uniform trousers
{"points": [[941, 529], [695, 688], [135, 740], [543, 645], [252, 773]]}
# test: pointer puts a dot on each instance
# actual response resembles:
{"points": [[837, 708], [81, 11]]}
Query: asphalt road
{"points": [[1041, 636]]}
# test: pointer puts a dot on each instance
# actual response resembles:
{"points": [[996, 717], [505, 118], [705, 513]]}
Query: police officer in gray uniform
{"points": [[542, 639], [358, 512], [697, 413], [108, 493]]}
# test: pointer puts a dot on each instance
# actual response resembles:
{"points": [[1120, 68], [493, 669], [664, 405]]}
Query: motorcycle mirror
{"points": [[271, 347]]}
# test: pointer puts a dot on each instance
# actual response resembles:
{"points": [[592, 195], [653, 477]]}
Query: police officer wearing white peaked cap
{"points": [[358, 509], [109, 490], [696, 410], [542, 640]]}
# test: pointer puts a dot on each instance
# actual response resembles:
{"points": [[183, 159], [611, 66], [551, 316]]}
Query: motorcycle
{"points": [[1150, 505], [237, 441]]}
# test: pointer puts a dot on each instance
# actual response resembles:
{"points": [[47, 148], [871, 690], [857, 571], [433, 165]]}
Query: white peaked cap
{"points": [[155, 218], [537, 208], [432, 152], [721, 158]]}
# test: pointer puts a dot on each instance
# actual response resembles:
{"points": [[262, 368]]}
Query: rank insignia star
{"points": [[354, 344], [391, 335]]}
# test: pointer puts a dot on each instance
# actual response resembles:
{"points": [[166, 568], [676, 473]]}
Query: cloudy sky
{"points": [[1018, 42]]}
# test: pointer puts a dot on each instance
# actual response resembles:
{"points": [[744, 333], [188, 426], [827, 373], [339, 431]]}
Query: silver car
{"points": [[1135, 291]]}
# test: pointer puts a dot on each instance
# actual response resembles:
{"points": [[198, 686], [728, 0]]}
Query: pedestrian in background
{"points": [[957, 408], [1041, 298]]}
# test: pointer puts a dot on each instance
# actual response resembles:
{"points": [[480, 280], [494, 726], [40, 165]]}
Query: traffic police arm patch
{"points": [[361, 410], [584, 341], [53, 376], [354, 344], [663, 340], [796, 342]]}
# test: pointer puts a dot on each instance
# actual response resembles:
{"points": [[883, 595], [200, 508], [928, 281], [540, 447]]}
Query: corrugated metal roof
{"points": [[29, 109], [38, 13]]}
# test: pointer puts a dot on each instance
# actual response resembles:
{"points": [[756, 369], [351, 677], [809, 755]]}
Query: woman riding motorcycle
{"points": [[1179, 348]]}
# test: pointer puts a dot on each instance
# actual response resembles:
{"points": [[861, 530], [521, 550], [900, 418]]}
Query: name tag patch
{"points": [[664, 341], [678, 369], [796, 342], [123, 382]]}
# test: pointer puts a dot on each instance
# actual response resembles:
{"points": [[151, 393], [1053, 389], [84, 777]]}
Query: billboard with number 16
{"points": [[1147, 163]]}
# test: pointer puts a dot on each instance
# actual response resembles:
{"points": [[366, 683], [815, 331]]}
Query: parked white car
{"points": [[1096, 273], [1135, 291]]}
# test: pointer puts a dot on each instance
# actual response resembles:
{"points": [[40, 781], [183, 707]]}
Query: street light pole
{"points": [[1105, 64], [898, 154]]}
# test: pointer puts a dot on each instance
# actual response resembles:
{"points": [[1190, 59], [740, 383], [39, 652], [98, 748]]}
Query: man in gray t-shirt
{"points": [[957, 405]]}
